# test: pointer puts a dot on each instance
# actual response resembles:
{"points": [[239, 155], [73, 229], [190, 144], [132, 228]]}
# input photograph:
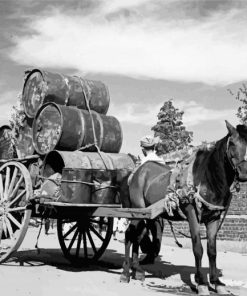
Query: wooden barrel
{"points": [[6, 144], [24, 141], [68, 128], [77, 165], [41, 87]]}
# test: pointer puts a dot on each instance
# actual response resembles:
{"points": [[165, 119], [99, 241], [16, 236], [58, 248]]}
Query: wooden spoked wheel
{"points": [[85, 239], [15, 192]]}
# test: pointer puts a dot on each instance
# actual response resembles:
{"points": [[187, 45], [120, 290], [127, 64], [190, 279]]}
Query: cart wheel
{"points": [[15, 192], [85, 239]]}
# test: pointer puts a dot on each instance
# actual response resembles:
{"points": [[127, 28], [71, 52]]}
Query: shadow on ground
{"points": [[110, 262]]}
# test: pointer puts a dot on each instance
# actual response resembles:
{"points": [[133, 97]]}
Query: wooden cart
{"points": [[84, 230]]}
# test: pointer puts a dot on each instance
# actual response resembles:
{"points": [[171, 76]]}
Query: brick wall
{"points": [[234, 227]]}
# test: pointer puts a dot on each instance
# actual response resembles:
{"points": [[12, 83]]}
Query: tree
{"points": [[241, 96], [170, 129]]}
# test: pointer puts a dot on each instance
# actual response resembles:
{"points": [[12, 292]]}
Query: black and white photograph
{"points": [[123, 147]]}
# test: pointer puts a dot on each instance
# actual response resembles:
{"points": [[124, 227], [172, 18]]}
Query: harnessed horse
{"points": [[214, 172]]}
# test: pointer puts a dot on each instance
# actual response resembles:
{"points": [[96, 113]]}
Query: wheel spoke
{"points": [[78, 245], [96, 233], [12, 183], [17, 197], [91, 241], [1, 187], [12, 218], [4, 227], [9, 227], [69, 231], [73, 240], [16, 186], [1, 228], [6, 186], [85, 244], [17, 209]]}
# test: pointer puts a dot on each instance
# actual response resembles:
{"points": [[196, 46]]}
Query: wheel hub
{"points": [[3, 208]]}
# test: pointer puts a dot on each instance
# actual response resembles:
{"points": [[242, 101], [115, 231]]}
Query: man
{"points": [[155, 226], [148, 144]]}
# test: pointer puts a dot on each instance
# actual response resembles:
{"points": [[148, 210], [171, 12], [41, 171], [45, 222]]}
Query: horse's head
{"points": [[237, 150]]}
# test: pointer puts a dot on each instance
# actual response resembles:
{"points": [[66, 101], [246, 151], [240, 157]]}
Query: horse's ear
{"points": [[231, 129]]}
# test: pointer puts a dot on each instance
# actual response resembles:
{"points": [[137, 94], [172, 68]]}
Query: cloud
{"points": [[139, 39], [135, 113], [194, 113]]}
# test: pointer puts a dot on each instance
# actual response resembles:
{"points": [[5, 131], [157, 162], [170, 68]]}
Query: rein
{"points": [[234, 166]]}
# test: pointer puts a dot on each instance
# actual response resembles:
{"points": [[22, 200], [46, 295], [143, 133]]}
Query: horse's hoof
{"points": [[124, 278], [203, 290], [221, 290], [139, 275]]}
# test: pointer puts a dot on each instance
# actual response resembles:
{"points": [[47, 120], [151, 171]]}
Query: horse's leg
{"points": [[197, 249], [129, 234], [212, 228], [141, 229], [157, 232], [156, 227]]}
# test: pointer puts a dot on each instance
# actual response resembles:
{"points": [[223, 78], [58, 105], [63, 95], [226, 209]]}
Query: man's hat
{"points": [[147, 141]]}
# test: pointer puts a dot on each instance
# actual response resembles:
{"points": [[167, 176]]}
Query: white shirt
{"points": [[152, 156]]}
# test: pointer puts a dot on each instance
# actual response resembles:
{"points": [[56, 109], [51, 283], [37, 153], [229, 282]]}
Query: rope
{"points": [[95, 144], [76, 181]]}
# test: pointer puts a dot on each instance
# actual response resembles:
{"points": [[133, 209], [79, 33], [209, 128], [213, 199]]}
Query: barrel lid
{"points": [[47, 128], [33, 92]]}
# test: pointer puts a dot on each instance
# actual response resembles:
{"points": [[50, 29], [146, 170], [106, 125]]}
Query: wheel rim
{"points": [[15, 192], [81, 240]]}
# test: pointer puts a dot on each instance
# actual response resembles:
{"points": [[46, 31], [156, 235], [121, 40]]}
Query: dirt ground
{"points": [[48, 273]]}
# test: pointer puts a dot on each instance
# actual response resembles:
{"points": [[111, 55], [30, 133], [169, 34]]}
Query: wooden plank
{"points": [[81, 205], [157, 208], [122, 213], [115, 210]]}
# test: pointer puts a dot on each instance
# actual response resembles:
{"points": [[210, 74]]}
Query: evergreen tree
{"points": [[170, 129]]}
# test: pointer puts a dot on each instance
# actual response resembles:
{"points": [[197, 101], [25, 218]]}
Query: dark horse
{"points": [[214, 171]]}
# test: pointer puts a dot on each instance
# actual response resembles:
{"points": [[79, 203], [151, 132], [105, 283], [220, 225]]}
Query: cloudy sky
{"points": [[146, 51]]}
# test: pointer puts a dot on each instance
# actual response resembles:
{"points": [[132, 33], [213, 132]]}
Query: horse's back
{"points": [[149, 184]]}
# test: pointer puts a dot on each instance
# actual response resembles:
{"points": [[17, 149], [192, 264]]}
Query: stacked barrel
{"points": [[66, 120], [69, 113]]}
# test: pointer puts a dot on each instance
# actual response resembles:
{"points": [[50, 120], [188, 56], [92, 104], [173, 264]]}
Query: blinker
{"points": [[237, 187]]}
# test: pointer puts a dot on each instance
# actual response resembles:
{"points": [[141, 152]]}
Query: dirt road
{"points": [[48, 273]]}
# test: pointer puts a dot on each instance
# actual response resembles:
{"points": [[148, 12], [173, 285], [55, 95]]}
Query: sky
{"points": [[145, 51]]}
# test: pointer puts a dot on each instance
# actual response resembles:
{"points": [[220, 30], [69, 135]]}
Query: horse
{"points": [[214, 171]]}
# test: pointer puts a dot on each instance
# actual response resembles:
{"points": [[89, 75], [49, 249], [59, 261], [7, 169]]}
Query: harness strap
{"points": [[210, 206]]}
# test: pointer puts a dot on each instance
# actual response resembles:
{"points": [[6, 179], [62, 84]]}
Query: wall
{"points": [[234, 227]]}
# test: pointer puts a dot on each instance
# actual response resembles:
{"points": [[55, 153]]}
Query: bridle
{"points": [[229, 157]]}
